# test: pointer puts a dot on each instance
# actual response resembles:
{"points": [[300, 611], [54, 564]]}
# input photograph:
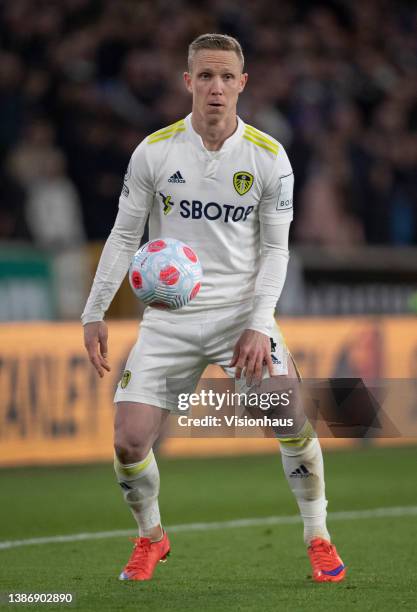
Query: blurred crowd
{"points": [[82, 82]]}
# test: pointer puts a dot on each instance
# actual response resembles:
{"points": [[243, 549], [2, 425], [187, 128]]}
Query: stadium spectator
{"points": [[52, 209], [333, 73], [12, 205]]}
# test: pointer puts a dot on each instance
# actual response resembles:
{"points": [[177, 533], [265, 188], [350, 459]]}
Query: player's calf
{"points": [[140, 485]]}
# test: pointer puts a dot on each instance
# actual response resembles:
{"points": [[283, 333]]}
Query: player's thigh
{"points": [[228, 338], [287, 386], [280, 395], [136, 427], [280, 399], [166, 360]]}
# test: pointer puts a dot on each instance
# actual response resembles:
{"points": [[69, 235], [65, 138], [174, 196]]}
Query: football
{"points": [[165, 273]]}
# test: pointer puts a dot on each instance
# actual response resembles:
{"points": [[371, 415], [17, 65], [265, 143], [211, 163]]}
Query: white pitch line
{"points": [[396, 511]]}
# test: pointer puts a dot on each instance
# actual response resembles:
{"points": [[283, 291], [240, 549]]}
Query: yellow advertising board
{"points": [[55, 409]]}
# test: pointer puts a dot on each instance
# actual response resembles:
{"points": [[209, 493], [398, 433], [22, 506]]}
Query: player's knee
{"points": [[131, 448]]}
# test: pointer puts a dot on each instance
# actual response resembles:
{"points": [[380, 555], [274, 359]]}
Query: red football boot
{"points": [[145, 557], [326, 564]]}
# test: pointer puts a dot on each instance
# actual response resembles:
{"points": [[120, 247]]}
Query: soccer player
{"points": [[225, 188]]}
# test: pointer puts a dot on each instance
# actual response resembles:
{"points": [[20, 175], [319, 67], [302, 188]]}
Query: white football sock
{"points": [[140, 484], [303, 467]]}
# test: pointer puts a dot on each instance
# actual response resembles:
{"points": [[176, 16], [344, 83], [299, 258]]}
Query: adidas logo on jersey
{"points": [[176, 178], [301, 472]]}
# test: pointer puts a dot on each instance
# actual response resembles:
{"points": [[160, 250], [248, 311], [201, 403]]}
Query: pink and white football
{"points": [[165, 273]]}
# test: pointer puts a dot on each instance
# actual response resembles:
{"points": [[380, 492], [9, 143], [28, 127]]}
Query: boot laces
{"points": [[139, 557], [323, 554]]}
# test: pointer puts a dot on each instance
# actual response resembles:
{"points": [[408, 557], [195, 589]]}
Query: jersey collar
{"points": [[227, 145]]}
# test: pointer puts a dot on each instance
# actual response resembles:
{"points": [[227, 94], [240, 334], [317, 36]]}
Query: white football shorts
{"points": [[176, 347]]}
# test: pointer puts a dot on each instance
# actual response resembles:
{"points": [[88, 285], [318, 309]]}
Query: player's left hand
{"points": [[252, 351]]}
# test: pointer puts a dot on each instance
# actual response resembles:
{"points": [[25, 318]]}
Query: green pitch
{"points": [[262, 568]]}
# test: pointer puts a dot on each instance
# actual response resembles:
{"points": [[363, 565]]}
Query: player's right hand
{"points": [[95, 341]]}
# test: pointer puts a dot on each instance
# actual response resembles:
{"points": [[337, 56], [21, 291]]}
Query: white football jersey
{"points": [[215, 201]]}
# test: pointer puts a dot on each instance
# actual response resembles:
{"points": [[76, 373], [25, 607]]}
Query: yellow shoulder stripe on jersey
{"points": [[260, 144], [168, 128], [251, 131], [166, 136], [260, 140], [167, 132]]}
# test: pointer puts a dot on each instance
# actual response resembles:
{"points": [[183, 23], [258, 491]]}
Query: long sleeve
{"points": [[271, 276], [115, 259], [135, 203], [275, 216]]}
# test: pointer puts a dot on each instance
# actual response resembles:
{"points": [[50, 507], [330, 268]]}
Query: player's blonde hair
{"points": [[220, 42]]}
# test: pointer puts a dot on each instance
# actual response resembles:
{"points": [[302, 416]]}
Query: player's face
{"points": [[215, 80]]}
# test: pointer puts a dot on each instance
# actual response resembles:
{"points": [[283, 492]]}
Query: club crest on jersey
{"points": [[242, 182], [167, 203]]}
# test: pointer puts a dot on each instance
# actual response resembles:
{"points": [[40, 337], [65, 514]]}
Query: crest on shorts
{"points": [[127, 375], [242, 182]]}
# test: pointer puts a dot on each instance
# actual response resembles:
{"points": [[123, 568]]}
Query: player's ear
{"points": [[187, 81], [243, 81]]}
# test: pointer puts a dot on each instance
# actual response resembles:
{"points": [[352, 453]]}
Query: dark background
{"points": [[83, 81]]}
